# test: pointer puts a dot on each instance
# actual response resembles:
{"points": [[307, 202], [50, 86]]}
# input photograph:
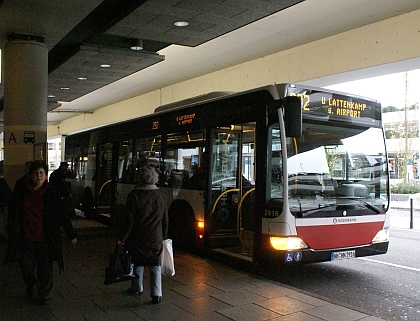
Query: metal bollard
{"points": [[411, 213]]}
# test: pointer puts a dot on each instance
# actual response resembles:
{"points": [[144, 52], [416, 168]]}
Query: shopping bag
{"points": [[120, 268], [167, 259]]}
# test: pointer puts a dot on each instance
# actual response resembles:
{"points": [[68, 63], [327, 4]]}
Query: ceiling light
{"points": [[136, 44], [181, 23], [105, 66]]}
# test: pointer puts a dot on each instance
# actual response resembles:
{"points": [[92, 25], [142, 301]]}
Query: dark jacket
{"points": [[57, 176], [145, 225], [14, 227], [14, 204], [5, 193], [53, 219]]}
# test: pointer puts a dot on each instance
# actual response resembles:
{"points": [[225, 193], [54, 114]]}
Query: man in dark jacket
{"points": [[145, 228], [58, 181], [13, 227], [37, 243], [60, 174], [5, 193]]}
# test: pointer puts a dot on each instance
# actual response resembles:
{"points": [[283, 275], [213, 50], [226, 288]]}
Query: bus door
{"points": [[105, 184], [226, 162]]}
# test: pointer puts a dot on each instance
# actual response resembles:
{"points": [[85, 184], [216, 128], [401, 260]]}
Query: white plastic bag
{"points": [[167, 259]]}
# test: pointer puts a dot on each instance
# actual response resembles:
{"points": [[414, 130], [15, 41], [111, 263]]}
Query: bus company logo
{"points": [[344, 220]]}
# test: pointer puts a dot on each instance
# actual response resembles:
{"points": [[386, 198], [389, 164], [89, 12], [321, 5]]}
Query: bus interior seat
{"points": [[175, 180]]}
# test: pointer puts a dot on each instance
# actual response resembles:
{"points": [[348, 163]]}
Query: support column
{"points": [[63, 148], [25, 103]]}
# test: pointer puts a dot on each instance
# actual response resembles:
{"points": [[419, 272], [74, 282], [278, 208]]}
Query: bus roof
{"points": [[194, 100], [217, 95]]}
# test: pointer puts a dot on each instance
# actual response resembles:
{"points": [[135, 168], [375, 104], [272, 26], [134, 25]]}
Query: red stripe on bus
{"points": [[338, 235]]}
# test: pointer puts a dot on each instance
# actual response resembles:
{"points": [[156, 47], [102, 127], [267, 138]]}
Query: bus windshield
{"points": [[332, 169]]}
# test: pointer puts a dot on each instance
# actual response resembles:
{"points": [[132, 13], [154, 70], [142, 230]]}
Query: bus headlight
{"points": [[287, 243], [381, 236]]}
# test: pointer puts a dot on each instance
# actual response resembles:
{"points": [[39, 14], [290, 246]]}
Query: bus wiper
{"points": [[374, 208], [320, 207]]}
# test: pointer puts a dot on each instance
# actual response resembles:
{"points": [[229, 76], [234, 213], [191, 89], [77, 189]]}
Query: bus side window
{"points": [[176, 178], [184, 164]]}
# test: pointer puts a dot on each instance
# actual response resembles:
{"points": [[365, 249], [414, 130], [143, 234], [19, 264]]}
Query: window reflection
{"points": [[339, 169]]}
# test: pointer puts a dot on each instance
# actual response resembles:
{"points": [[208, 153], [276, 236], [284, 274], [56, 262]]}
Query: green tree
{"points": [[390, 109]]}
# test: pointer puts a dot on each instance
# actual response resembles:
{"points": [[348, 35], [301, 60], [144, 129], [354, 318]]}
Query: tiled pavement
{"points": [[200, 290]]}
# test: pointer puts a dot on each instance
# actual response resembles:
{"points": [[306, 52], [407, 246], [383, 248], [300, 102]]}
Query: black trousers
{"points": [[36, 265]]}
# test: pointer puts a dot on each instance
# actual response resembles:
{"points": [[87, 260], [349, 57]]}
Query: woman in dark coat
{"points": [[145, 228], [36, 223]]}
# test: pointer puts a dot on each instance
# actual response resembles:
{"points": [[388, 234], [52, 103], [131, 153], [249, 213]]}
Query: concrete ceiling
{"points": [[81, 35]]}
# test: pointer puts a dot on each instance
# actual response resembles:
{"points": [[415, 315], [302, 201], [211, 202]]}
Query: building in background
{"points": [[54, 154], [403, 142], [400, 97]]}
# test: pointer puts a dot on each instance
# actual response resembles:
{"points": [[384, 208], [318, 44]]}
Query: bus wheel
{"points": [[182, 226], [88, 203]]}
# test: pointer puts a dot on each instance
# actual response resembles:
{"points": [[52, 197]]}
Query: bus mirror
{"points": [[293, 116]]}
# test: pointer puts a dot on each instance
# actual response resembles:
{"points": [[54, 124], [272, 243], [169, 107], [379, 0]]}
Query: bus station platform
{"points": [[201, 289]]}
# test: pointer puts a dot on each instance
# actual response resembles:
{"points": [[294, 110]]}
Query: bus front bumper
{"points": [[312, 256]]}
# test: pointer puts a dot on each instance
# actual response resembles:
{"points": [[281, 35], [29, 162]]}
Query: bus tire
{"points": [[182, 226], [88, 207]]}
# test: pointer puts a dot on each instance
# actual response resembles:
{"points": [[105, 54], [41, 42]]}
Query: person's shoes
{"points": [[156, 299], [29, 291], [132, 291], [43, 301]]}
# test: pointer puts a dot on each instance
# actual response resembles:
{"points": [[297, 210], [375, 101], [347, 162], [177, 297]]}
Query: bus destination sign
{"points": [[185, 119], [324, 104], [343, 107], [155, 125]]}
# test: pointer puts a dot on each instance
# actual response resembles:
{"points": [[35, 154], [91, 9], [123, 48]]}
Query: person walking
{"points": [[19, 188], [37, 221], [145, 228], [60, 174], [58, 181], [5, 194], [13, 227]]}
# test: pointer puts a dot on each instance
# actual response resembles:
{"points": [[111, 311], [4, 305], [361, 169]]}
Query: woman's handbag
{"points": [[120, 268], [167, 259]]}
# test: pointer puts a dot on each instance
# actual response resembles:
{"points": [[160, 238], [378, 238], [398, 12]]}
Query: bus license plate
{"points": [[343, 255]]}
